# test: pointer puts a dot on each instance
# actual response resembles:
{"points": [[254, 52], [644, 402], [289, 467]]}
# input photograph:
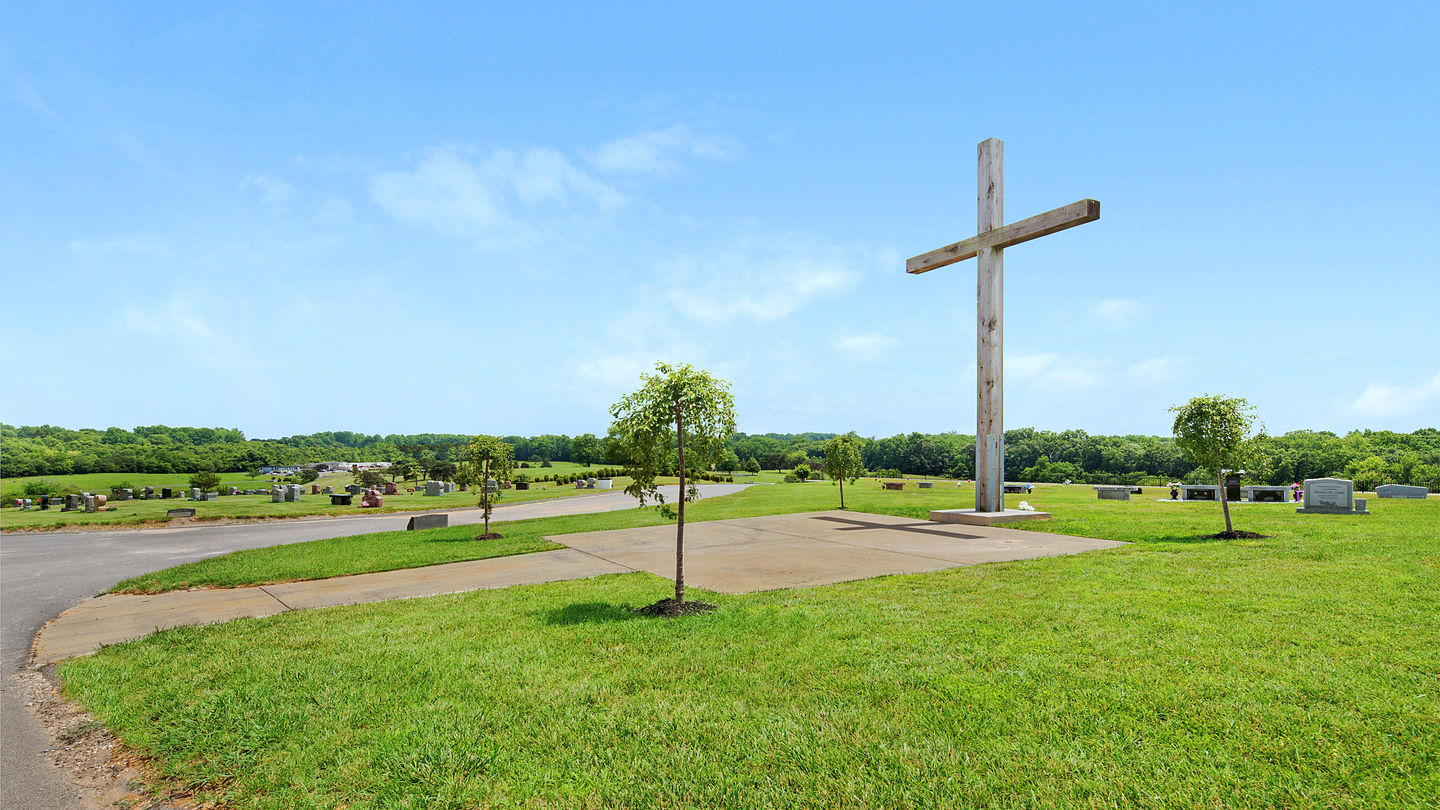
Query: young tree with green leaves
{"points": [[679, 410], [486, 458], [751, 465], [729, 462], [1214, 433], [585, 449], [842, 460], [205, 481], [802, 472]]}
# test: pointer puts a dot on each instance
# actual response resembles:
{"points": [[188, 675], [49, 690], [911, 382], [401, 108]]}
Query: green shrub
{"points": [[39, 489], [205, 481]]}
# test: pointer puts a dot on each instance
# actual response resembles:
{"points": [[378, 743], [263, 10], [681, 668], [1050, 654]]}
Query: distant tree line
{"points": [[1368, 457]]}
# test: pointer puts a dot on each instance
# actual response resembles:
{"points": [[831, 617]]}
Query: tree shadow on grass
{"points": [[1197, 538], [590, 613], [473, 536]]}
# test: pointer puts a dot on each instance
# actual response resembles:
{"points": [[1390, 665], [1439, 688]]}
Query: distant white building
{"points": [[352, 466]]}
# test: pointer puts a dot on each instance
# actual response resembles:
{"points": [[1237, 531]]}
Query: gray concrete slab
{"points": [[818, 548], [113, 618], [502, 572]]}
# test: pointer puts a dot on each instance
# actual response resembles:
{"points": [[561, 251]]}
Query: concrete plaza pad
{"points": [[113, 618], [817, 548]]}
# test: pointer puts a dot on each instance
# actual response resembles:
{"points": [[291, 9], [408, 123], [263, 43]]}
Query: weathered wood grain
{"points": [[1068, 216]]}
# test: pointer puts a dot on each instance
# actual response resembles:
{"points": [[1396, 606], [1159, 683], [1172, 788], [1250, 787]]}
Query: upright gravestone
{"points": [[277, 495], [449, 487], [165, 492], [1400, 491], [72, 503], [234, 490], [149, 493], [328, 491], [1232, 487], [292, 492], [391, 488], [125, 494], [194, 493], [491, 485], [434, 488], [1330, 496], [89, 502]]}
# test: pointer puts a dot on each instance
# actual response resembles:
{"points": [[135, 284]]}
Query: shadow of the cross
{"points": [[918, 528]]}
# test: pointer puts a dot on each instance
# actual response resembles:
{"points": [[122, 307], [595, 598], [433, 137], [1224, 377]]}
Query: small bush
{"points": [[42, 488], [546, 463]]}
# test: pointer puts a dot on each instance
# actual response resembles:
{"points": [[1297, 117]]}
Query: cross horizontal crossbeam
{"points": [[1068, 216]]}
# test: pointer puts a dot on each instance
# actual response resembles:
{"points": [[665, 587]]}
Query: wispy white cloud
{"points": [[1049, 369], [335, 211], [273, 191], [867, 346], [183, 321], [31, 100], [1153, 371], [501, 200], [760, 278], [125, 247], [658, 151], [1379, 399], [1117, 313]]}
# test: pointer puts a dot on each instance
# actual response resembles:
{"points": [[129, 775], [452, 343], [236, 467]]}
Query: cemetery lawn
{"points": [[255, 507], [1302, 669]]}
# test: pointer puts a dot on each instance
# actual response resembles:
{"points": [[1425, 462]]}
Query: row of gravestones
{"points": [[1323, 496]]}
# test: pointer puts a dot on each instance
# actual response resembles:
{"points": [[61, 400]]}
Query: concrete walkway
{"points": [[728, 556]]}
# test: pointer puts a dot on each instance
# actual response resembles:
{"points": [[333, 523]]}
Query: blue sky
{"points": [[467, 219]]}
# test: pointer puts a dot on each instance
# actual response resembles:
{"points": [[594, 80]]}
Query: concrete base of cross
{"points": [[973, 518]]}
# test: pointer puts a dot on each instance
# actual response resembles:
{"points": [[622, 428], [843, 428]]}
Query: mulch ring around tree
{"points": [[1234, 536], [669, 608], [490, 536]]}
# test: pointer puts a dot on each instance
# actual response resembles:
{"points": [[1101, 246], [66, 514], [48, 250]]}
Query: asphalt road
{"points": [[43, 574]]}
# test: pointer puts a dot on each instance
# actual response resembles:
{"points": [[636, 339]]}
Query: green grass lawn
{"points": [[249, 506], [1301, 670]]}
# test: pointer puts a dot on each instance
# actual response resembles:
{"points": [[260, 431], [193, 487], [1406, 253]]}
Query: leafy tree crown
{"points": [[1214, 431], [645, 421]]}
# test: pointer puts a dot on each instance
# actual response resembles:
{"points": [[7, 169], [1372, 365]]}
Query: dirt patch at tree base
{"points": [[490, 536], [1234, 536], [669, 608]]}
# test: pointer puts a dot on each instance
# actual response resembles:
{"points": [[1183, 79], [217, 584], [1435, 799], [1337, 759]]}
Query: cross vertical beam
{"points": [[988, 248], [990, 334]]}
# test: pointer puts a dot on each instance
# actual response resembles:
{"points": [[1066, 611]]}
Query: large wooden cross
{"points": [[989, 246]]}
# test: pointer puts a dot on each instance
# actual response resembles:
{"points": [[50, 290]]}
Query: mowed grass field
{"points": [[249, 506], [1299, 670]]}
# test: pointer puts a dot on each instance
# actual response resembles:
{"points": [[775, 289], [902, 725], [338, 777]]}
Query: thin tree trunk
{"points": [[842, 492], [680, 523], [485, 493], [1224, 502]]}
